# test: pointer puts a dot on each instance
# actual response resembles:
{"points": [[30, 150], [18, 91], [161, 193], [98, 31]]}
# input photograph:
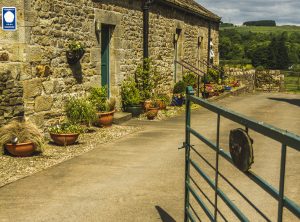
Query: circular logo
{"points": [[9, 17]]}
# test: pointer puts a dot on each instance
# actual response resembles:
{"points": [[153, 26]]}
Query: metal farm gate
{"points": [[192, 188]]}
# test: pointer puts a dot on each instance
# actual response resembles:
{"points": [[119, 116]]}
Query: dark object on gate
{"points": [[241, 149]]}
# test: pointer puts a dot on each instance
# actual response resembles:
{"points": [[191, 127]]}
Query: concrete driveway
{"points": [[141, 177]]}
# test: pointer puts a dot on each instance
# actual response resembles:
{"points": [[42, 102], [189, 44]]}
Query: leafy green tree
{"points": [[282, 60], [260, 56], [273, 54], [225, 47]]}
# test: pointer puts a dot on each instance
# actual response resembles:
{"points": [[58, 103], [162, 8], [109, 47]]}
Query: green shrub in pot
{"points": [[80, 111], [131, 98]]}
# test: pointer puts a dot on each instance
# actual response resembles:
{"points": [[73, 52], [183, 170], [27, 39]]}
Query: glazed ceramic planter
{"points": [[135, 110], [106, 118], [64, 139], [177, 101], [20, 149]]}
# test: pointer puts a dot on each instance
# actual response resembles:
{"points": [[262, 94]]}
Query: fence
{"points": [[288, 140]]}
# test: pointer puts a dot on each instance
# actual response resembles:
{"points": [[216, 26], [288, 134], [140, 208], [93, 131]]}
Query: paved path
{"points": [[140, 177]]}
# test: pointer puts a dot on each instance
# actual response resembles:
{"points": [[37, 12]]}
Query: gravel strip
{"points": [[14, 168], [170, 112]]}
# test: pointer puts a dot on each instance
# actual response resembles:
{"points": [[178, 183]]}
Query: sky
{"points": [[284, 12]]}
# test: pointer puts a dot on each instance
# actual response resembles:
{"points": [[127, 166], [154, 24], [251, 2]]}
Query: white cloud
{"points": [[239, 11]]}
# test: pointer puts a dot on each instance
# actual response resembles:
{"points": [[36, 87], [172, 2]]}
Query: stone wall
{"points": [[163, 25], [50, 25], [269, 80], [261, 80], [246, 77], [36, 52], [11, 97]]}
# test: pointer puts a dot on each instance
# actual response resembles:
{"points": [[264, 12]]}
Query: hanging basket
{"points": [[73, 56]]}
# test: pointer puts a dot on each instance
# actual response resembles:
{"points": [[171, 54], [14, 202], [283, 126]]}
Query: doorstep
{"points": [[121, 117]]}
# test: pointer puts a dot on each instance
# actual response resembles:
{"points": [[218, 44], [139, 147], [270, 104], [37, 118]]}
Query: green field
{"points": [[265, 29], [292, 82]]}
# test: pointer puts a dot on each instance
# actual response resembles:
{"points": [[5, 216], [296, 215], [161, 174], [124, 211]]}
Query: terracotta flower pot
{"points": [[147, 105], [20, 149], [152, 113], [106, 118], [161, 104], [64, 139]]}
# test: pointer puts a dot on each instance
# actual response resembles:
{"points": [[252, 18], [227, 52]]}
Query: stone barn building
{"points": [[35, 78]]}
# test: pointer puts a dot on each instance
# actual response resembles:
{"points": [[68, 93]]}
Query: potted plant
{"points": [[20, 138], [75, 52], [147, 78], [80, 111], [65, 134], [131, 98], [190, 79], [105, 107], [178, 93], [152, 111], [162, 100]]}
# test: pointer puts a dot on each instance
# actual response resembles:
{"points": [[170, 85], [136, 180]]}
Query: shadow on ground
{"points": [[295, 102], [165, 217]]}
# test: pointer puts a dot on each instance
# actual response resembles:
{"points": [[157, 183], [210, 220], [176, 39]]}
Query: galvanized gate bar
{"points": [[287, 139], [282, 136], [289, 204], [189, 215], [206, 197], [230, 184], [281, 182], [217, 166], [228, 202], [201, 203]]}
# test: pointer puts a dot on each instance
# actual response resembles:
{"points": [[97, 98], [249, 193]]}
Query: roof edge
{"points": [[210, 16]]}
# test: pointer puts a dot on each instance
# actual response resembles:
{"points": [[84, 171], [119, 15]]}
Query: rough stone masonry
{"points": [[35, 78]]}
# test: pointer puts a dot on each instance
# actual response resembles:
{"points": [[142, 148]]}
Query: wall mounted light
{"points": [[97, 26]]}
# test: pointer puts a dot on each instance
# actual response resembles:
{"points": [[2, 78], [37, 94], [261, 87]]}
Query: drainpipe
{"points": [[208, 54], [208, 45], [146, 7]]}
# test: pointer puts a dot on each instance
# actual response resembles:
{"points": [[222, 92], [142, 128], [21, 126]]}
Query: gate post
{"points": [[189, 92]]}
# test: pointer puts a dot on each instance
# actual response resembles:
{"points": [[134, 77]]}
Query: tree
{"points": [[260, 23], [273, 54], [225, 47], [260, 56], [282, 58]]}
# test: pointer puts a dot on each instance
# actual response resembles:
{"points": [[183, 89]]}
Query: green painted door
{"points": [[105, 37]]}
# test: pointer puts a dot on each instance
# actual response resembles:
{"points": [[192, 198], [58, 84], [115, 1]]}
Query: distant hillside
{"points": [[224, 24], [260, 23], [264, 29], [270, 47]]}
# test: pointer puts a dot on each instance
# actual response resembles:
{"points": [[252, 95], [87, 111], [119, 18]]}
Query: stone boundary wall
{"points": [[11, 97], [261, 80], [269, 80], [35, 54], [246, 77]]}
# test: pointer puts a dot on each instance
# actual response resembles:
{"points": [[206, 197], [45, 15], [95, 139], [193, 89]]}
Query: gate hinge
{"points": [[185, 145]]}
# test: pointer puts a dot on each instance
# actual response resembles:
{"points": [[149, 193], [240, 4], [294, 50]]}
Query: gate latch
{"points": [[184, 145]]}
